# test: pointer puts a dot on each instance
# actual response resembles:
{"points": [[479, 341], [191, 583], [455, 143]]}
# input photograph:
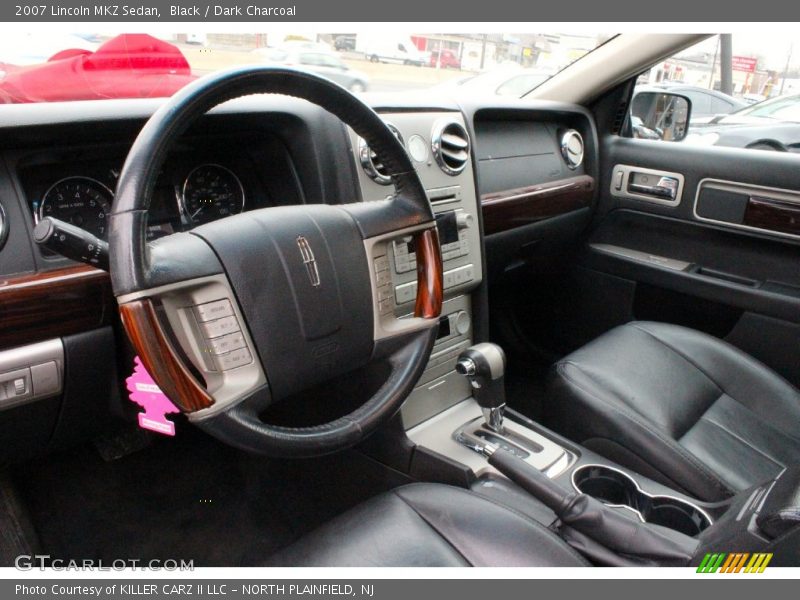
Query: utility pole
{"points": [[483, 50], [786, 68], [726, 63], [714, 65]]}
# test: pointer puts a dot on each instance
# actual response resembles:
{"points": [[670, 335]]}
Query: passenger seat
{"points": [[679, 406]]}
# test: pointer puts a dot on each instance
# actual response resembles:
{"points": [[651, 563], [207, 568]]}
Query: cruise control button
{"points": [[227, 343], [381, 263], [237, 358], [213, 329], [213, 310], [405, 293]]}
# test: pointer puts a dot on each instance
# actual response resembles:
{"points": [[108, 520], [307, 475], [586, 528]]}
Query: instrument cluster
{"points": [[182, 199]]}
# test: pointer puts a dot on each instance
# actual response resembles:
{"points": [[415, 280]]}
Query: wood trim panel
{"points": [[50, 304], [775, 215], [522, 206], [430, 286], [159, 357]]}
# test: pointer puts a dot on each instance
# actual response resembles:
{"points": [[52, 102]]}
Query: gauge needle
{"points": [[197, 212]]}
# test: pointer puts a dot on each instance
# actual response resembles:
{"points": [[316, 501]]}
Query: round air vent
{"points": [[450, 144], [370, 162], [572, 148]]}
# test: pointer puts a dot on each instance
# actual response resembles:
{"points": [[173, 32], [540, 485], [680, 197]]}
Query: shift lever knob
{"points": [[485, 365]]}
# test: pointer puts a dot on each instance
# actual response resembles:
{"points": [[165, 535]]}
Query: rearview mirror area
{"points": [[660, 116]]}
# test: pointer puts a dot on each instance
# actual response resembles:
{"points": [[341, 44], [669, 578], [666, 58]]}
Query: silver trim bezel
{"points": [[436, 145], [626, 174], [365, 158], [565, 154], [227, 388], [389, 325], [638, 488]]}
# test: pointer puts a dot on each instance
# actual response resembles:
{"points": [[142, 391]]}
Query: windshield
{"points": [[42, 67]]}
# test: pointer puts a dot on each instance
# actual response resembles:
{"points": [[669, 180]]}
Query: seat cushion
{"points": [[679, 406], [430, 525]]}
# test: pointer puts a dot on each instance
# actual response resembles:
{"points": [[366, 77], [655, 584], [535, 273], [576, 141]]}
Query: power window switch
{"points": [[45, 379]]}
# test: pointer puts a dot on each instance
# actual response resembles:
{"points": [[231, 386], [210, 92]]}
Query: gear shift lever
{"points": [[485, 365]]}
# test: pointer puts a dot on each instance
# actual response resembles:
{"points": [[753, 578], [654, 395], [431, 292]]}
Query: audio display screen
{"points": [[447, 226]]}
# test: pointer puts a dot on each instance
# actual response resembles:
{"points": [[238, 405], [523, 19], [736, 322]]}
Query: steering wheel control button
{"points": [[405, 258], [381, 263], [219, 327], [227, 343], [213, 310], [405, 293], [232, 360]]}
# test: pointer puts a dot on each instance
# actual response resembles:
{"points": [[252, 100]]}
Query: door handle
{"points": [[667, 188]]}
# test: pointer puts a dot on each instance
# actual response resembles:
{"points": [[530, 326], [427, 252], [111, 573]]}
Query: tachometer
{"points": [[211, 192], [81, 201]]}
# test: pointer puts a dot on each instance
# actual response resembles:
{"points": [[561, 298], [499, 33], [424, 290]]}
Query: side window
{"points": [[744, 91], [721, 107], [309, 58], [701, 102]]}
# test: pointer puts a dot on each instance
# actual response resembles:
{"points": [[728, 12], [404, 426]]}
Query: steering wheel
{"points": [[252, 309]]}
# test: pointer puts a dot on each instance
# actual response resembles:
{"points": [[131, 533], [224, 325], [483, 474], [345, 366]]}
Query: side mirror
{"points": [[660, 116]]}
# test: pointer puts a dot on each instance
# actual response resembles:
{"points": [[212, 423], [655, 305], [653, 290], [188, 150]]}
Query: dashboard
{"points": [[204, 180], [507, 183]]}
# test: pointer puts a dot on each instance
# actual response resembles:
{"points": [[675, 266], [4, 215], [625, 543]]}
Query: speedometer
{"points": [[81, 201], [211, 192]]}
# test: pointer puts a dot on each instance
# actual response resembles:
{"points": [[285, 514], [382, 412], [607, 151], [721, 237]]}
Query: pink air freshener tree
{"points": [[144, 392]]}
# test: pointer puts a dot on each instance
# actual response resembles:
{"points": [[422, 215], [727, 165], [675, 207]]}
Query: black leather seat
{"points": [[430, 525], [679, 406]]}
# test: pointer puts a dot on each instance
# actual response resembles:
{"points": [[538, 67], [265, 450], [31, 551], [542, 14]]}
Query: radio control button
{"points": [[220, 327], [237, 358], [213, 310], [227, 343]]}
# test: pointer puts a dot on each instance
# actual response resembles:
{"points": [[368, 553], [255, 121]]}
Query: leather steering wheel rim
{"points": [[144, 273]]}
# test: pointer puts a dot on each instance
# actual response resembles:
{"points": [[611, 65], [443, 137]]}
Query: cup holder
{"points": [[615, 488]]}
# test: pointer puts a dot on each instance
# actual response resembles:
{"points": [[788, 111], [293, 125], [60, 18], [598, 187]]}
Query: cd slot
{"points": [[446, 195]]}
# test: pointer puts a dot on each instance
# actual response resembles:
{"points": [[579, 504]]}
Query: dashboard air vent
{"points": [[572, 148], [450, 144], [370, 162]]}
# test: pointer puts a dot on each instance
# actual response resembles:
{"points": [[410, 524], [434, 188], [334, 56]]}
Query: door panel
{"points": [[729, 265]]}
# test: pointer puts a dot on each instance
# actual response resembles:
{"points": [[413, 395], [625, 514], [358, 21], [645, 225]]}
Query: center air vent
{"points": [[372, 165], [450, 143]]}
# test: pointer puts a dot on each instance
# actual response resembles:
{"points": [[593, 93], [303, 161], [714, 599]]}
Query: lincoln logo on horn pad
{"points": [[308, 260]]}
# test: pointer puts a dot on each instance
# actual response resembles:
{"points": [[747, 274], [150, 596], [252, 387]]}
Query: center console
{"points": [[456, 428], [439, 146]]}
